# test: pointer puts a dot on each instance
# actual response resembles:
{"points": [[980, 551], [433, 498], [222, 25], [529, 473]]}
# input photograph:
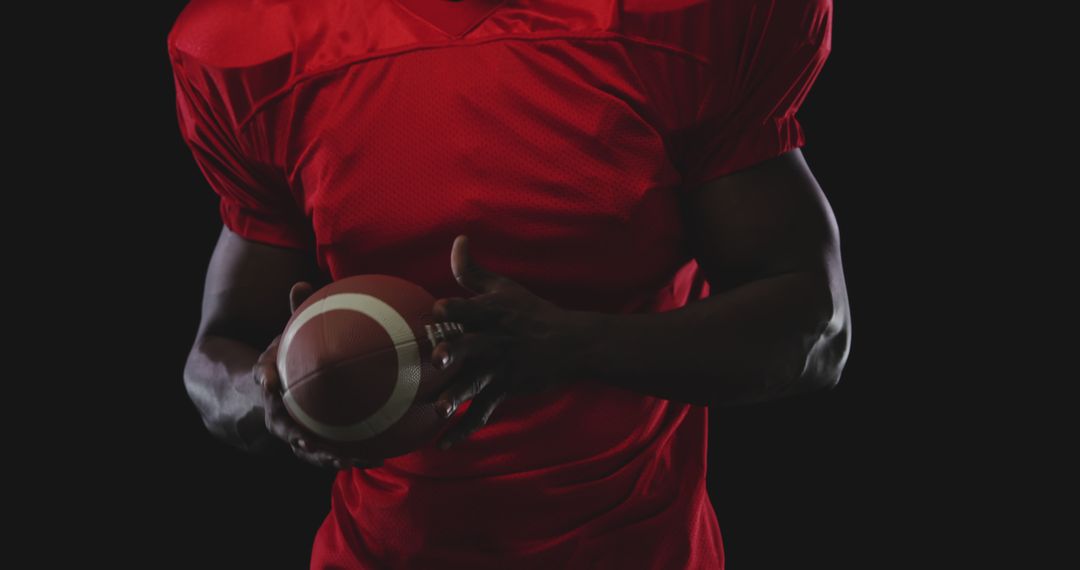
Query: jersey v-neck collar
{"points": [[455, 18]]}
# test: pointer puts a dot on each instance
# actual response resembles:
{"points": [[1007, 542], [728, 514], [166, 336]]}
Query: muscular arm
{"points": [[245, 306], [777, 320]]}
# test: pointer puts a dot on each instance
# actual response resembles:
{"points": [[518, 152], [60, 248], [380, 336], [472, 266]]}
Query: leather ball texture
{"points": [[356, 370]]}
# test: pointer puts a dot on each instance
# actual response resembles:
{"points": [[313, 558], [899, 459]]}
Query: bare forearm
{"points": [[218, 378], [764, 340]]}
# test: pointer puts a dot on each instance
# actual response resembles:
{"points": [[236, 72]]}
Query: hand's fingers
{"points": [[440, 331], [319, 458], [312, 453], [470, 379], [289, 433], [284, 427], [299, 293], [330, 460], [477, 416], [468, 347], [280, 424], [265, 374], [474, 314], [462, 390]]}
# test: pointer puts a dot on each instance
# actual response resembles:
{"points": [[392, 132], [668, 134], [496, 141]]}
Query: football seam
{"points": [[307, 377], [415, 341]]}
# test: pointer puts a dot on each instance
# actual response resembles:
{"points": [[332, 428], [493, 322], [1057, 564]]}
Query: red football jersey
{"points": [[559, 135]]}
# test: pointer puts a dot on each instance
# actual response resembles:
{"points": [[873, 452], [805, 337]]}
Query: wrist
{"points": [[591, 331], [252, 434], [249, 423]]}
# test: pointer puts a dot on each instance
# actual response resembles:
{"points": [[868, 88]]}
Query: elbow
{"points": [[828, 354], [227, 418], [810, 360], [196, 394], [201, 394], [827, 365], [816, 361]]}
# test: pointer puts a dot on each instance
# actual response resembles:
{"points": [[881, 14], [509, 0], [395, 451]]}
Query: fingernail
{"points": [[445, 408], [301, 444], [444, 361]]}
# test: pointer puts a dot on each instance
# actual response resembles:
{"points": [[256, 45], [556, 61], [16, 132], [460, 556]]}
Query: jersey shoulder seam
{"points": [[284, 90]]}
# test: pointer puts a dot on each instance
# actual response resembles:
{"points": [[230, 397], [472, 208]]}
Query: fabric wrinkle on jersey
{"points": [[558, 136]]}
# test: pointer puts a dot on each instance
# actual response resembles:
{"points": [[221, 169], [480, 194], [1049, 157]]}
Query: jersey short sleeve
{"points": [[255, 199], [764, 57]]}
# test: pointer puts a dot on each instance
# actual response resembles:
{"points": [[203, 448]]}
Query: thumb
{"points": [[470, 274], [299, 292], [265, 372]]}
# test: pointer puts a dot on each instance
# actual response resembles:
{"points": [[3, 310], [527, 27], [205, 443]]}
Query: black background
{"points": [[843, 479]]}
